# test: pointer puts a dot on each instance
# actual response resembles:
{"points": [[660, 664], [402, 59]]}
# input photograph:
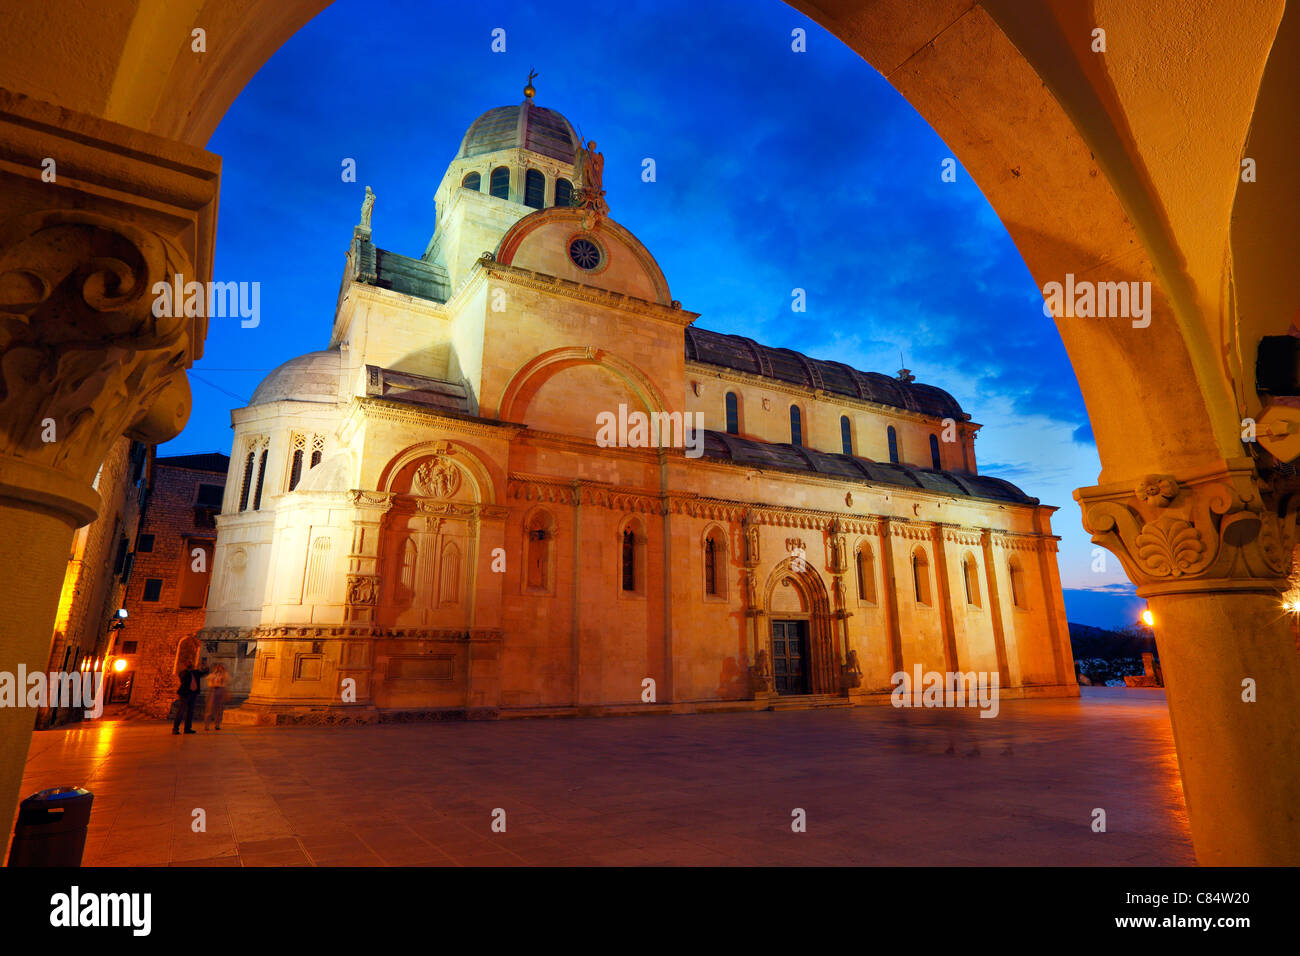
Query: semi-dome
{"points": [[313, 377], [526, 125]]}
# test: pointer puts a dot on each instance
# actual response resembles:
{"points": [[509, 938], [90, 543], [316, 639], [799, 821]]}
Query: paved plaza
{"points": [[878, 786]]}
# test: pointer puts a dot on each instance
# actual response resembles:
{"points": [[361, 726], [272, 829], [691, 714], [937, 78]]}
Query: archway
{"points": [[1074, 150], [799, 635]]}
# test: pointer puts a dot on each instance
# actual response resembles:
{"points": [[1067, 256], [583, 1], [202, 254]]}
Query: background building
{"points": [[98, 572], [168, 591]]}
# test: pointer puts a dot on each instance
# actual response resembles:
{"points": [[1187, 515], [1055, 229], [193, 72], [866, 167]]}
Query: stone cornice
{"points": [[336, 632], [382, 409], [542, 282]]}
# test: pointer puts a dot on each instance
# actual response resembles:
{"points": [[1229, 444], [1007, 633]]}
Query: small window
{"points": [[563, 192], [499, 185], [629, 560], [209, 496], [893, 445], [144, 543], [315, 457], [710, 567], [934, 452], [471, 181], [261, 474], [295, 471], [247, 484], [119, 562], [129, 647], [152, 589], [733, 414], [796, 426], [846, 435], [971, 575], [866, 568], [534, 189], [921, 576], [1018, 595]]}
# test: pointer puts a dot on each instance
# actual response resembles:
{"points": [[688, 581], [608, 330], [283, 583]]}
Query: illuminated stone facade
{"points": [[420, 518]]}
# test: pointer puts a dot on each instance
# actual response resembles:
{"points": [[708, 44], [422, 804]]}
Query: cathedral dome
{"points": [[524, 126], [313, 377]]}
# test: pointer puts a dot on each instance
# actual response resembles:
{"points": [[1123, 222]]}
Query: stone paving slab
{"points": [[879, 786]]}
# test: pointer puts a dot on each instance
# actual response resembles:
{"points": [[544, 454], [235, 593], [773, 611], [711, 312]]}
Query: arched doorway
{"points": [[800, 640]]}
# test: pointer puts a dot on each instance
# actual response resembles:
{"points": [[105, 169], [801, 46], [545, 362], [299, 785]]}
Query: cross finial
{"points": [[529, 91]]}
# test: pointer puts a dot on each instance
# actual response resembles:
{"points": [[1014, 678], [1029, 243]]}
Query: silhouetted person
{"points": [[188, 692]]}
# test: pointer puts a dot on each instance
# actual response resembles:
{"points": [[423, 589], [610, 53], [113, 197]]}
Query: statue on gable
{"points": [[367, 207], [591, 173]]}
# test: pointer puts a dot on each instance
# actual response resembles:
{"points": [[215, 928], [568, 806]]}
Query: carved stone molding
{"points": [[1204, 532], [83, 358]]}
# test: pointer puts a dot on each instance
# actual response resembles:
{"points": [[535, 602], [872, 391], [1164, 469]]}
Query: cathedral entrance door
{"points": [[789, 656]]}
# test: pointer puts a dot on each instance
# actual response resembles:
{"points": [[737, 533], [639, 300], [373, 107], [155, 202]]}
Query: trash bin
{"points": [[51, 829]]}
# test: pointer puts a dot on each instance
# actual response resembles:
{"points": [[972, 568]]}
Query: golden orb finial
{"points": [[529, 90]]}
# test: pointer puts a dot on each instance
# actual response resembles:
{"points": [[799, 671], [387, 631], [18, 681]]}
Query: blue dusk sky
{"points": [[775, 170]]}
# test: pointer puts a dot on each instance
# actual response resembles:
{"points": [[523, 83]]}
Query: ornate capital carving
{"points": [[83, 357], [1215, 530]]}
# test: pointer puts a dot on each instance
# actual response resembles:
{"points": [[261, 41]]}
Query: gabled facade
{"points": [[423, 518]]}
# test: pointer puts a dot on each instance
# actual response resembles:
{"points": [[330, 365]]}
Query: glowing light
{"points": [[119, 665], [1148, 618]]}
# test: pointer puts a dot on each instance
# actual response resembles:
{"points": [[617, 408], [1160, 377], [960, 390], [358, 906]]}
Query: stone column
{"points": [[1211, 552], [944, 598], [890, 582], [92, 215], [995, 609]]}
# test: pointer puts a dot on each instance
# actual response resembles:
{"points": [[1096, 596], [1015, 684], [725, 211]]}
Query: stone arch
{"points": [[535, 373], [463, 456], [824, 658]]}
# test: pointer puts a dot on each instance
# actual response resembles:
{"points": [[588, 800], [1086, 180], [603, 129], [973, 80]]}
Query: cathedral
{"points": [[427, 518]]}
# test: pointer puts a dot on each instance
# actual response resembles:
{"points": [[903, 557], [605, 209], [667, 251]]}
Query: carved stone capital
{"points": [[1215, 530], [83, 357]]}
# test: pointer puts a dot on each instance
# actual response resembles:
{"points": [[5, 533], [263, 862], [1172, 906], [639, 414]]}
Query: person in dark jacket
{"points": [[188, 692]]}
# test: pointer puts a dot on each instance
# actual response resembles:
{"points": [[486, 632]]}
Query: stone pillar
{"points": [[92, 215], [363, 578], [890, 581], [995, 609], [1210, 552], [944, 598]]}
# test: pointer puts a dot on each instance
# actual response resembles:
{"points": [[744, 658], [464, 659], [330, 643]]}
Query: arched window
{"points": [[846, 435], [796, 426], [471, 181], [534, 189], [261, 474], [715, 563], [921, 576], [934, 452], [295, 472], [971, 575], [893, 445], [247, 483], [563, 192], [1019, 597], [866, 568], [449, 575], [629, 559], [540, 534], [733, 414], [499, 184]]}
